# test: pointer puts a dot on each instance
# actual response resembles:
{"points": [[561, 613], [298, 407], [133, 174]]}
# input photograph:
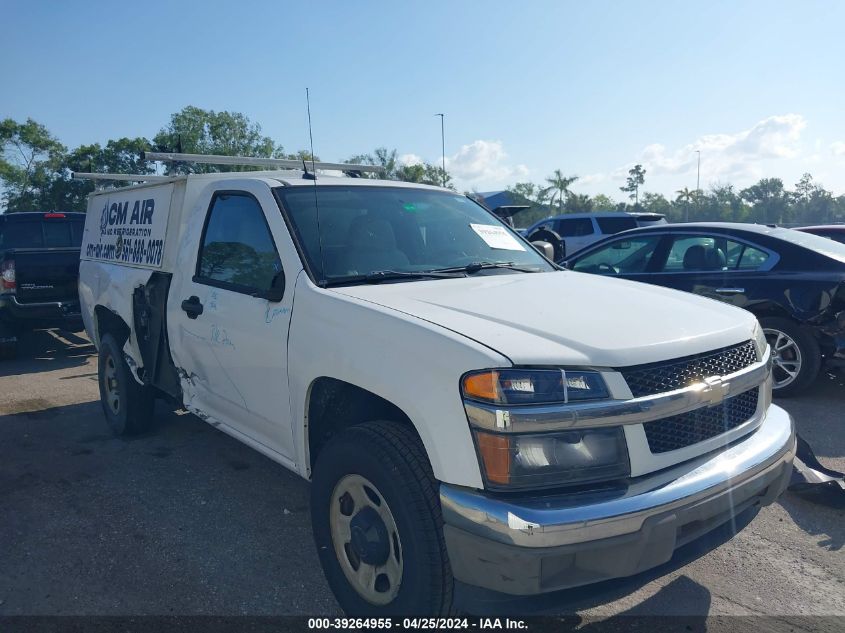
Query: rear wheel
{"points": [[377, 523], [796, 357], [127, 405]]}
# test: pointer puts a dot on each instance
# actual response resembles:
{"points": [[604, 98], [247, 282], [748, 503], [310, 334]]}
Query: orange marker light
{"points": [[495, 453], [482, 386]]}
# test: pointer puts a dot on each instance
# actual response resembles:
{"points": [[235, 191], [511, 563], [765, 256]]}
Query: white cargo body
{"points": [[464, 409]]}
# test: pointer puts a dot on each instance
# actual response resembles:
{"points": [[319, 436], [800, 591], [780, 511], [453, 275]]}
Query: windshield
{"points": [[364, 230]]}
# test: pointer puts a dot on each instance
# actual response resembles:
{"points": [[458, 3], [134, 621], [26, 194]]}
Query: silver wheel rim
{"points": [[356, 502], [786, 358], [110, 385]]}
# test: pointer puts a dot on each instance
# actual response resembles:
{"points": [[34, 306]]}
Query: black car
{"points": [[39, 273], [793, 282]]}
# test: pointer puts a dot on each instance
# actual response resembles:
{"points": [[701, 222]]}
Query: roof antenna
{"points": [[313, 176]]}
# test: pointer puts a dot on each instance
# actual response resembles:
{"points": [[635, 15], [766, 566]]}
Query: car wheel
{"points": [[377, 523], [796, 357], [128, 406]]}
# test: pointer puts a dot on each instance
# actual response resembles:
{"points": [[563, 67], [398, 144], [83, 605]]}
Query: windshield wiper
{"points": [[474, 267], [378, 276]]}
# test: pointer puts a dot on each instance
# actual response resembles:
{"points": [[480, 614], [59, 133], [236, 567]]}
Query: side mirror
{"points": [[277, 289], [544, 248]]}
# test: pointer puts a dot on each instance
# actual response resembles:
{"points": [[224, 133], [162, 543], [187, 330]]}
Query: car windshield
{"points": [[822, 245], [363, 230]]}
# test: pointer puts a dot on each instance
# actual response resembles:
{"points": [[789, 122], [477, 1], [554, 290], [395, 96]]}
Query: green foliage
{"points": [[770, 201], [30, 161], [635, 180], [558, 185], [423, 173], [193, 130]]}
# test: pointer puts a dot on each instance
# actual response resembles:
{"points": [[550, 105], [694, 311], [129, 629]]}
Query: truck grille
{"points": [[654, 378], [689, 428]]}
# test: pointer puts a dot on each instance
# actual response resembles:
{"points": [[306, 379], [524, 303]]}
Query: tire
{"points": [[128, 406], [389, 459], [798, 350]]}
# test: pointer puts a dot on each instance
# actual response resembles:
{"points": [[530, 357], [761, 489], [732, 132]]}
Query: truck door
{"points": [[228, 335]]}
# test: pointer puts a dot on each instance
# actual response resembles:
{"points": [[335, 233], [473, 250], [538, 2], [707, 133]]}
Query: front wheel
{"points": [[796, 357], [377, 523]]}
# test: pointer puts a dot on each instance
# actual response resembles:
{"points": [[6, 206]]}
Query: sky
{"points": [[590, 88]]}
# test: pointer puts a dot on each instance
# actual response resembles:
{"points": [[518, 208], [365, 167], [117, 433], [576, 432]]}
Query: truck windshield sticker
{"points": [[497, 237], [130, 227]]}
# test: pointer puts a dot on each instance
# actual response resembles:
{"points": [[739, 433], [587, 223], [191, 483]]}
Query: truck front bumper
{"points": [[43, 314], [525, 546]]}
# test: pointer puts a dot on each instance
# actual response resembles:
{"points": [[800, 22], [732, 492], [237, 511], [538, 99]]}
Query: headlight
{"points": [[552, 459], [533, 386], [760, 342], [513, 460]]}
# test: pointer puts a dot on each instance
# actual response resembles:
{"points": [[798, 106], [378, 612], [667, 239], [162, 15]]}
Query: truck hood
{"points": [[568, 318]]}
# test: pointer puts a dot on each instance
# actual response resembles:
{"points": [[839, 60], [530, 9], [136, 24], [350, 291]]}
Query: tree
{"points": [[602, 202], [382, 157], [29, 163], [527, 190], [685, 196], [636, 178], [559, 184], [769, 199], [578, 203], [193, 130]]}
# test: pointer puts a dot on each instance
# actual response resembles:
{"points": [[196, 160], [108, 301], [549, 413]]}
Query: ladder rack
{"points": [[81, 175], [254, 161]]}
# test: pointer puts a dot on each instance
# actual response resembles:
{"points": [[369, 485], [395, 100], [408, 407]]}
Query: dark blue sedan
{"points": [[793, 282]]}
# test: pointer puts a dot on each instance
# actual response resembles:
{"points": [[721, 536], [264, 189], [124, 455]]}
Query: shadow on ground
{"points": [[47, 350]]}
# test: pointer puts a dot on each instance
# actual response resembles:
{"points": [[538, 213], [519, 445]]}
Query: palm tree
{"points": [[559, 184], [686, 195]]}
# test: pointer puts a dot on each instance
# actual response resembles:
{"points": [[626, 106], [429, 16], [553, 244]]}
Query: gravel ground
{"points": [[185, 520]]}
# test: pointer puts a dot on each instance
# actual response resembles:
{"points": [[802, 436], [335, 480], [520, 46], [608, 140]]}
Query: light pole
{"points": [[698, 173], [443, 142]]}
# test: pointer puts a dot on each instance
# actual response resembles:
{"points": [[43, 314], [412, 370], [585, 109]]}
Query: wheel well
{"points": [[110, 323], [770, 310], [334, 405]]}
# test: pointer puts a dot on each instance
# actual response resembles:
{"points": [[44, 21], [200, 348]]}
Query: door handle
{"points": [[730, 291], [192, 307]]}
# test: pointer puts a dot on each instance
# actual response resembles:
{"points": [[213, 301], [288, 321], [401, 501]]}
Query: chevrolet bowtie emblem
{"points": [[715, 390]]}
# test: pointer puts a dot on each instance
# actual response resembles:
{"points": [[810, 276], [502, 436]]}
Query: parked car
{"points": [[832, 231], [465, 410], [792, 282], [39, 272], [571, 232]]}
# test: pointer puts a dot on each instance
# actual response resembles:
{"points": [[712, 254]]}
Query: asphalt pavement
{"points": [[186, 520]]}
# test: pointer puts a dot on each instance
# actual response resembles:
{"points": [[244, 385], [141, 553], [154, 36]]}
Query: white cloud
{"points": [[410, 159], [838, 148], [483, 164], [591, 179], [729, 157]]}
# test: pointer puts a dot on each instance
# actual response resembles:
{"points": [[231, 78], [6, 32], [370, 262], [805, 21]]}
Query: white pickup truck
{"points": [[465, 410]]}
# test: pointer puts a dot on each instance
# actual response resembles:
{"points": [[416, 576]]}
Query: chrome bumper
{"points": [[543, 543]]}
